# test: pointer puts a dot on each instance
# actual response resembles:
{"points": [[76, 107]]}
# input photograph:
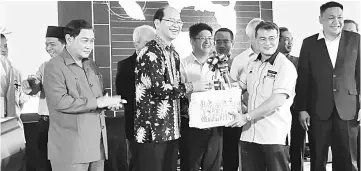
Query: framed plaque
{"points": [[211, 108]]}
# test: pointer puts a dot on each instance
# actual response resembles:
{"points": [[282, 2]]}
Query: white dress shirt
{"points": [[332, 46], [240, 62]]}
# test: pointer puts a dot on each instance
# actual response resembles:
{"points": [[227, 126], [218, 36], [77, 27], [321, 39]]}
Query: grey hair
{"points": [[250, 28], [138, 30]]}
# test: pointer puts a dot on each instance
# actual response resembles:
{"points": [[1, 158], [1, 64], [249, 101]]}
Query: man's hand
{"points": [[304, 119], [106, 101], [239, 120], [25, 84], [199, 86], [359, 116], [115, 107]]}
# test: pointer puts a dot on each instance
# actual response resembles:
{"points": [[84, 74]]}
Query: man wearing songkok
{"points": [[54, 45]]}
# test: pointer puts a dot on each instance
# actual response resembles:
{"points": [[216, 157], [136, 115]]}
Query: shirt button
{"points": [[334, 90], [334, 75], [91, 85], [102, 127]]}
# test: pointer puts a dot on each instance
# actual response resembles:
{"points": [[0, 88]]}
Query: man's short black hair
{"points": [[74, 27], [330, 4], [266, 25], [351, 21], [159, 14], [195, 29], [225, 30], [282, 29], [3, 36]]}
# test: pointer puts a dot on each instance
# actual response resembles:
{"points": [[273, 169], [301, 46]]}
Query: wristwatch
{"points": [[248, 118]]}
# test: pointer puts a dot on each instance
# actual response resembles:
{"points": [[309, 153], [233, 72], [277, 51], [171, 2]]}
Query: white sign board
{"points": [[212, 108]]}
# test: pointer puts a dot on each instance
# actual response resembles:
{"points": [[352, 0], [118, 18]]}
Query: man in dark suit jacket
{"points": [[125, 85], [329, 76]]}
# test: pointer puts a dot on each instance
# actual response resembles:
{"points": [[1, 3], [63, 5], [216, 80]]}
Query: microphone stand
{"points": [[225, 75]]}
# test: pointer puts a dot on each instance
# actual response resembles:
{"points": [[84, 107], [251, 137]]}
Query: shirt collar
{"points": [[250, 52], [68, 59], [270, 60], [195, 60], [162, 43], [321, 35]]}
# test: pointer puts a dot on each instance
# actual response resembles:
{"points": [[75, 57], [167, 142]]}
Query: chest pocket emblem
{"points": [[268, 81], [271, 74]]}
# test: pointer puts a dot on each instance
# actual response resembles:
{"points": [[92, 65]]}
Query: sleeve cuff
{"points": [[92, 103], [283, 91]]}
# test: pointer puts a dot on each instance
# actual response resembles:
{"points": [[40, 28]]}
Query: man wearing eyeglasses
{"points": [[158, 90], [270, 80], [199, 147], [231, 136]]}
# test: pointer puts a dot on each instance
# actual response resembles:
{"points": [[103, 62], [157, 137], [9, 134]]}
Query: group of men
{"points": [[317, 93], [314, 93]]}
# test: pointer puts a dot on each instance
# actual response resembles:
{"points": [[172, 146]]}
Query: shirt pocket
{"points": [[267, 86]]}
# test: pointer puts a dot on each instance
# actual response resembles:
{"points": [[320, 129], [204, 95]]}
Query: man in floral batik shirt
{"points": [[158, 90]]}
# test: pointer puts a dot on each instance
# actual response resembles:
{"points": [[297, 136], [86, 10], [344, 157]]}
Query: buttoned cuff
{"points": [[92, 103]]}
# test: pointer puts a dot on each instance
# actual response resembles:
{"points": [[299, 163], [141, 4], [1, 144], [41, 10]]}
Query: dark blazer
{"points": [[326, 86], [125, 86]]}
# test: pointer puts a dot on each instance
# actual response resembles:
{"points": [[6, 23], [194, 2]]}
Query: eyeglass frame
{"points": [[263, 40], [179, 22], [203, 38]]}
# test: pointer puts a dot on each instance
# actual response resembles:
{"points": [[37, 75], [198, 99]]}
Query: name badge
{"points": [[271, 74]]}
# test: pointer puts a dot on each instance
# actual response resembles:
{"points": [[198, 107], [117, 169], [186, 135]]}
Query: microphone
{"points": [[226, 79], [215, 59]]}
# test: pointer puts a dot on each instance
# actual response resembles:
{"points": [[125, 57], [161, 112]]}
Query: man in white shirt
{"points": [[270, 80], [199, 147], [240, 61], [5, 82], [55, 42]]}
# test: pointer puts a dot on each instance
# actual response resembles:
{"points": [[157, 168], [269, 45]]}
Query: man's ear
{"points": [[68, 38], [156, 23]]}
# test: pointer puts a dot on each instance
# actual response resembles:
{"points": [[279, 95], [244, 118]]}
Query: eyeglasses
{"points": [[211, 39], [263, 40], [225, 41], [179, 22]]}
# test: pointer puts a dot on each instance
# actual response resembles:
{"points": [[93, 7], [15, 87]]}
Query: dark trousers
{"points": [[201, 148], [230, 153], [131, 144], [36, 136], [341, 135], [264, 157], [43, 129], [297, 145], [157, 156]]}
